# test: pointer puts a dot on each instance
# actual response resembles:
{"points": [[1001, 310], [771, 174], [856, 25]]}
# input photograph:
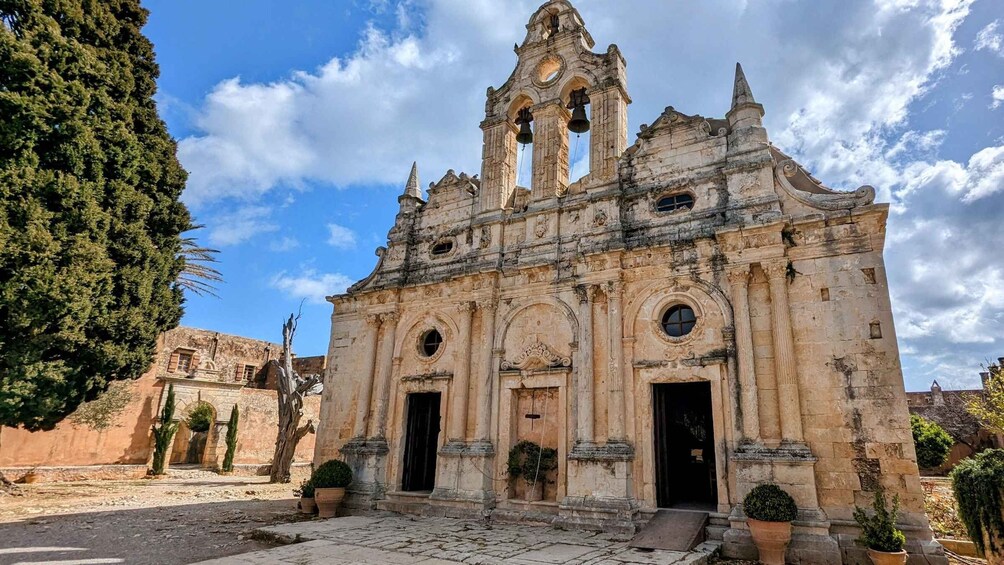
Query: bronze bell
{"points": [[579, 122], [525, 134]]}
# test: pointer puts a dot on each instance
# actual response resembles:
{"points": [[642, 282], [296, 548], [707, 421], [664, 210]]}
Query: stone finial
{"points": [[741, 93], [935, 385], [412, 189]]}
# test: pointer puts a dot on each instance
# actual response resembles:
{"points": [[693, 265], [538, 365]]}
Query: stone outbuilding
{"points": [[696, 315]]}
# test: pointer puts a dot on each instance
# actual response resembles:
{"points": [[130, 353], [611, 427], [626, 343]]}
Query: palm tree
{"points": [[198, 274]]}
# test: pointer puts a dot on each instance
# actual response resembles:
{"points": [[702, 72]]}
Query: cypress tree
{"points": [[163, 434], [228, 458], [90, 217]]}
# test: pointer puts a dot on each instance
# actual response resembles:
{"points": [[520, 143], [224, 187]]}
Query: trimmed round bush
{"points": [[332, 474], [768, 503], [932, 441], [201, 417]]}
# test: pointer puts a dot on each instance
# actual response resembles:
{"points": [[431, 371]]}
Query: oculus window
{"points": [[679, 320], [432, 340]]}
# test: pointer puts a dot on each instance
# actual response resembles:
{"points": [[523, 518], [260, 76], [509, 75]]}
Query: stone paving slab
{"points": [[390, 539]]}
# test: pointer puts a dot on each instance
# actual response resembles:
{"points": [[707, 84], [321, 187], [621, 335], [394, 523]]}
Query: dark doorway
{"points": [[684, 446], [421, 442]]}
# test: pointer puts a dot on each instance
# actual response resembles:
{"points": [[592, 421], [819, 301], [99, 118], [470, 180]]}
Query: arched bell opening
{"points": [[575, 97], [522, 120]]}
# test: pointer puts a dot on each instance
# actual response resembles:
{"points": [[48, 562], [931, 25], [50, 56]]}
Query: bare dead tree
{"points": [[291, 389]]}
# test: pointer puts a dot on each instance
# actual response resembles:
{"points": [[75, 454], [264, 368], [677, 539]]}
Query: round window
{"points": [[678, 321], [432, 340]]}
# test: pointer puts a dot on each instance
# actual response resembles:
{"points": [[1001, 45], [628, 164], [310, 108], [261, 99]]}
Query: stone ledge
{"points": [[372, 446], [614, 451], [787, 452]]}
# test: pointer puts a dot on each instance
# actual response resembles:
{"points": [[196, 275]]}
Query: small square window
{"points": [[249, 371], [184, 361]]}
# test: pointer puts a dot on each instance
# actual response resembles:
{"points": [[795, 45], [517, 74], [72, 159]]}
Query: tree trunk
{"points": [[290, 390]]}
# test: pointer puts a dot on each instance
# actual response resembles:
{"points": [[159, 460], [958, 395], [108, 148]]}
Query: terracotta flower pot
{"points": [[887, 558], [771, 539], [535, 492], [307, 505], [327, 500]]}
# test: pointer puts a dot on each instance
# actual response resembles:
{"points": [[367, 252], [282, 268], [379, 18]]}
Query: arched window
{"points": [[674, 202], [442, 247], [432, 340], [679, 320]]}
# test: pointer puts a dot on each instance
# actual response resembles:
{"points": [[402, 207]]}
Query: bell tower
{"points": [[556, 77]]}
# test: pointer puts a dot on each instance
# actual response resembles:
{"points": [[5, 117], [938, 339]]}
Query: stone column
{"points": [[461, 376], [784, 351], [484, 423], [739, 278], [498, 168], [369, 352], [615, 378], [550, 151], [584, 373], [385, 370], [609, 139]]}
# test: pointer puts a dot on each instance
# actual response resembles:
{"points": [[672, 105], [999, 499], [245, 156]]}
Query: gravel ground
{"points": [[190, 516]]}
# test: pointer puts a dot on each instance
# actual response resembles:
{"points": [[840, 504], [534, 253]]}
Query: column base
{"points": [[368, 460], [464, 486], [599, 485]]}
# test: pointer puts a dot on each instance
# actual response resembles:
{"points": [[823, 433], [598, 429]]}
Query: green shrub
{"points": [[879, 532], [932, 441], [306, 489], [228, 458], [201, 417], [163, 434], [977, 483], [768, 503], [530, 461], [333, 474]]}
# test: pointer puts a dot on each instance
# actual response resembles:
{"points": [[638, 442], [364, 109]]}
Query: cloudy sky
{"points": [[299, 122]]}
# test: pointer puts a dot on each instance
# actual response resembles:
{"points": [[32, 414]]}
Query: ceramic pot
{"points": [[327, 500], [307, 505], [771, 539], [887, 558]]}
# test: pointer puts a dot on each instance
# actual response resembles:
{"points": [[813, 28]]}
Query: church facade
{"points": [[695, 316]]}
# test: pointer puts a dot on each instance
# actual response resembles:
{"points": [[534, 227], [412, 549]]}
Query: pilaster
{"points": [[584, 378], [386, 370], [498, 168], [784, 351], [739, 277], [550, 151], [368, 381], [609, 137]]}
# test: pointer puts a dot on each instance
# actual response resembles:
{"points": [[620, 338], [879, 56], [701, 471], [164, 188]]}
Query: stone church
{"points": [[696, 315]]}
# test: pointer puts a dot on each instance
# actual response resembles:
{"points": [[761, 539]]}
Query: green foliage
{"points": [[306, 489], [228, 459], [523, 461], [988, 406], [768, 503], [163, 435], [977, 483], [100, 413], [201, 417], [879, 532], [332, 474], [932, 441], [90, 217]]}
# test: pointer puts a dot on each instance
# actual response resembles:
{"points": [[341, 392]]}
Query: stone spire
{"points": [[412, 189], [741, 93]]}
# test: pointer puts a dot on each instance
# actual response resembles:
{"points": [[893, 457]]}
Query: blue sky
{"points": [[299, 122]]}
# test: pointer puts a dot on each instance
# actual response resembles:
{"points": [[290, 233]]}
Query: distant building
{"points": [[947, 408], [204, 366]]}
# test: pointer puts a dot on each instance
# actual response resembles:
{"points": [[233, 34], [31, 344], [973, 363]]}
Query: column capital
{"points": [[585, 293], [739, 275], [489, 305], [373, 320], [614, 287], [728, 334], [776, 269], [389, 317], [465, 306]]}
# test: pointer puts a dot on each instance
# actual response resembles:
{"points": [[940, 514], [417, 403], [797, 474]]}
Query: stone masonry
{"points": [[546, 313]]}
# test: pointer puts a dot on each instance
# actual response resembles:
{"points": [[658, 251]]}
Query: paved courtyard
{"points": [[395, 539]]}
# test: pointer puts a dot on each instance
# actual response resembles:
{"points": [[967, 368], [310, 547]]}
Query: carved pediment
{"points": [[537, 355]]}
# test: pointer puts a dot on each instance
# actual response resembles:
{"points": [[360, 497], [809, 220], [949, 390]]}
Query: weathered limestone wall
{"points": [[259, 417]]}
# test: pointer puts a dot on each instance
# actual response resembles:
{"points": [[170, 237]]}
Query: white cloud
{"points": [[998, 95], [236, 227], [989, 39], [341, 237], [311, 285], [286, 243]]}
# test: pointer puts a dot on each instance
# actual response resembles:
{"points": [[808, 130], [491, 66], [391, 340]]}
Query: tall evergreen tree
{"points": [[89, 211]]}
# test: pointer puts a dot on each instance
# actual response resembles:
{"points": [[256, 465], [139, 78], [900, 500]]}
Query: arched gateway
{"points": [[693, 317]]}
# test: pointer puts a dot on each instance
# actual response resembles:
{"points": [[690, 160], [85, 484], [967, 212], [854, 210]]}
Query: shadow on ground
{"points": [[166, 535]]}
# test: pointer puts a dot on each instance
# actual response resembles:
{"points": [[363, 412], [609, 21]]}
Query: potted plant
{"points": [[329, 481], [306, 494], [533, 464], [879, 533], [769, 512], [977, 483]]}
